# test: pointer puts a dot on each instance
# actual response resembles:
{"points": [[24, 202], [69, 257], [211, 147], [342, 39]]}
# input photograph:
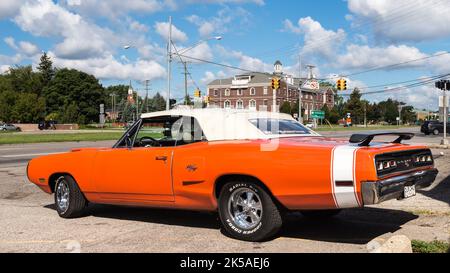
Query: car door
{"points": [[132, 173]]}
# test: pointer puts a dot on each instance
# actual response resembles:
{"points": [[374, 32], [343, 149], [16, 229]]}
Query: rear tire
{"points": [[69, 200], [248, 212], [321, 214]]}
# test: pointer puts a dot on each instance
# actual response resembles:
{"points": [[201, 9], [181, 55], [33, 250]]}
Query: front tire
{"points": [[248, 212], [436, 132], [69, 200]]}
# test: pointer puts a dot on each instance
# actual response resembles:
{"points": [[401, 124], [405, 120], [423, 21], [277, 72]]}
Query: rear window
{"points": [[280, 127]]}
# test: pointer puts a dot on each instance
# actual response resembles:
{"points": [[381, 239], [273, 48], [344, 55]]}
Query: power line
{"points": [[387, 66], [395, 89]]}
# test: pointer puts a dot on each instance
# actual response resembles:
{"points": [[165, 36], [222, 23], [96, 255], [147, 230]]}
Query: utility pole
{"points": [[365, 114], [400, 108], [137, 105], [447, 87], [300, 112], [310, 77], [169, 63], [444, 85], [147, 83], [186, 73]]}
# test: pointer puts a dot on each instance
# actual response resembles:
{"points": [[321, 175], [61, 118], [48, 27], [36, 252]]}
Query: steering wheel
{"points": [[148, 142]]}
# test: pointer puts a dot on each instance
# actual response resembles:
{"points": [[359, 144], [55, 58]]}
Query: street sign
{"points": [[318, 114], [311, 85]]}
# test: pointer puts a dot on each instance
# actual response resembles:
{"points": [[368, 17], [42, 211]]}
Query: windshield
{"points": [[280, 127]]}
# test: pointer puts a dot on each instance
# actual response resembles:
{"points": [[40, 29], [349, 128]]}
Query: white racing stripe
{"points": [[343, 160]]}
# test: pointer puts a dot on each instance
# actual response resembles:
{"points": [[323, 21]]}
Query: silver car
{"points": [[9, 127]]}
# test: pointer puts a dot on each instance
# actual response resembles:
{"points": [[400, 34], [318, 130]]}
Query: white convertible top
{"points": [[227, 124]]}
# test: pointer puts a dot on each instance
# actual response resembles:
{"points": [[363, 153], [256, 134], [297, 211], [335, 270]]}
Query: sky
{"points": [[339, 37]]}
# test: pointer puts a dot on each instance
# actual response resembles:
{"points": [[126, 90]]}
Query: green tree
{"points": [[24, 80], [46, 69], [355, 106], [72, 90], [157, 103], [120, 92], [7, 101], [389, 111], [28, 108], [286, 108], [408, 114]]}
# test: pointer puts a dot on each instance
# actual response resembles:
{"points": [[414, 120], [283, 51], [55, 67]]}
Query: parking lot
{"points": [[29, 222]]}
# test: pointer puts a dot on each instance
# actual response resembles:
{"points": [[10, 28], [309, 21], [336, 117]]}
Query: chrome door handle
{"points": [[161, 158]]}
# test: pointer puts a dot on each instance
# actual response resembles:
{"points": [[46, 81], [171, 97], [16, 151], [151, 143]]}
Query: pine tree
{"points": [[46, 69]]}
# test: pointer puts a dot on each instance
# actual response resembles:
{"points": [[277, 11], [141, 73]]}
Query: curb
{"points": [[395, 244], [438, 146]]}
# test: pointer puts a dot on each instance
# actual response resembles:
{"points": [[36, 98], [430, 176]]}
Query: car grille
{"points": [[404, 160]]}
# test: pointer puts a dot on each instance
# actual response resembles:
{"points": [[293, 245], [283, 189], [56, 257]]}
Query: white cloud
{"points": [[257, 2], [115, 8], [136, 26], [23, 47], [363, 56], [202, 51], [4, 69], [9, 8], [162, 28], [226, 19], [211, 76], [403, 20], [317, 39], [109, 68], [80, 38]]}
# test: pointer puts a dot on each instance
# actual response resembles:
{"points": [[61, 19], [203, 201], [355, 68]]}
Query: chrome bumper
{"points": [[393, 188]]}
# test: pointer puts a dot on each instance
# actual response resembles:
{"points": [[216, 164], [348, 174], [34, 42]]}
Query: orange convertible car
{"points": [[251, 167]]}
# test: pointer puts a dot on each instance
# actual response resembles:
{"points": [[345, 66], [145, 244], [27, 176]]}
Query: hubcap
{"points": [[62, 196], [245, 208]]}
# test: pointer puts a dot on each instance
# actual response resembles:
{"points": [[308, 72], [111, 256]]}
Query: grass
{"points": [[430, 247], [71, 137]]}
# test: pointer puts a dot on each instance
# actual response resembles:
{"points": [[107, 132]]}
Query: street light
{"points": [[179, 54], [183, 51]]}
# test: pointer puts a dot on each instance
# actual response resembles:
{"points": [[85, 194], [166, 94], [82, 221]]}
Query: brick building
{"points": [[254, 91]]}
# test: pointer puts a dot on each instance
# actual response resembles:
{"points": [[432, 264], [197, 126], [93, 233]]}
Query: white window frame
{"points": [[252, 91], [227, 92], [240, 92], [266, 90], [225, 104], [250, 104], [237, 104]]}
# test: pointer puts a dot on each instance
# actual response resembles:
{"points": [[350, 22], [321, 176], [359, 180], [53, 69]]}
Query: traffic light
{"points": [[341, 85], [197, 93], [275, 83], [443, 85]]}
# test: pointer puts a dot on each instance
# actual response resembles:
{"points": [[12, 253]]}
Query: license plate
{"points": [[409, 191]]}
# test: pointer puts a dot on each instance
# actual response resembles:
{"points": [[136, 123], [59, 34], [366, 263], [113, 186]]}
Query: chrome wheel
{"points": [[62, 196], [245, 208]]}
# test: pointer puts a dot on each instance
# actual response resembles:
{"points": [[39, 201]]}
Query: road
{"points": [[29, 222]]}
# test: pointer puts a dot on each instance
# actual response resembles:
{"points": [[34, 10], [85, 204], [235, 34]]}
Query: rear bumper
{"points": [[393, 188]]}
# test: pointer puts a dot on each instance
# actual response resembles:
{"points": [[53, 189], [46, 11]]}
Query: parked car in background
{"points": [[9, 127], [434, 127], [47, 125]]}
